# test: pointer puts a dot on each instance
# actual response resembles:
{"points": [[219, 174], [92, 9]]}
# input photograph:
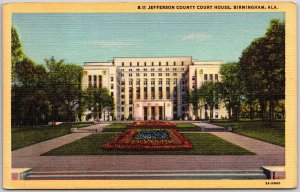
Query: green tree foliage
{"points": [[17, 53], [263, 67], [63, 88], [210, 92], [29, 98], [232, 88], [99, 101], [195, 98]]}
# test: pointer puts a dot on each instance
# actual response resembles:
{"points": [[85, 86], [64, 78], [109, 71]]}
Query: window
{"points": [[216, 115], [145, 69], [182, 63], [167, 63], [145, 74], [160, 69], [122, 64], [130, 69], [216, 106], [159, 74], [137, 82], [152, 74], [95, 80], [145, 63], [182, 69], [130, 64], [130, 74], [167, 69], [112, 94], [145, 82], [152, 69], [168, 82], [159, 63], [210, 76], [152, 82], [112, 86], [167, 74], [174, 63], [138, 64], [205, 77], [137, 74], [122, 74], [160, 82], [90, 81], [193, 78], [152, 63], [175, 82], [175, 74], [130, 82], [216, 77], [174, 69], [137, 69], [122, 69]]}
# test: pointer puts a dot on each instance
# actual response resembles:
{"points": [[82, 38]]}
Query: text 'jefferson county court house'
{"points": [[147, 88]]}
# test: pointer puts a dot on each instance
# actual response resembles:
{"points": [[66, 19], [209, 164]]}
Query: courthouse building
{"points": [[147, 88]]}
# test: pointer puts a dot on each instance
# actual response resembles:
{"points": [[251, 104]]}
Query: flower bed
{"points": [[138, 140], [152, 124]]}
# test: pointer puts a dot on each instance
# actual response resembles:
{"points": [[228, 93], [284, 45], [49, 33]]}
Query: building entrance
{"points": [[153, 110]]}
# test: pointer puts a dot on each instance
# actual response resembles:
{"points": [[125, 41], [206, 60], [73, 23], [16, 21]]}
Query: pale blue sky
{"points": [[79, 38]]}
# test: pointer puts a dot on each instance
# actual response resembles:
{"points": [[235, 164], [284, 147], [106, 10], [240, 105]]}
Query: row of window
{"points": [[152, 63], [152, 69], [174, 111], [152, 74], [211, 77], [92, 81]]}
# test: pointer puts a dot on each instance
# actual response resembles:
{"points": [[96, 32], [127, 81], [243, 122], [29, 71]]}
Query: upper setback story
{"points": [[193, 72]]}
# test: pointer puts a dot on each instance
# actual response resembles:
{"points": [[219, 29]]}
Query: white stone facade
{"points": [[152, 87]]}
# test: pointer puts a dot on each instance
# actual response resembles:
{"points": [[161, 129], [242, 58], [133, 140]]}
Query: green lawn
{"points": [[203, 144], [120, 127], [257, 129], [22, 137]]}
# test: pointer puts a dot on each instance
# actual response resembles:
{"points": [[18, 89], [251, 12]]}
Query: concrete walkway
{"points": [[43, 147], [254, 145], [208, 125]]}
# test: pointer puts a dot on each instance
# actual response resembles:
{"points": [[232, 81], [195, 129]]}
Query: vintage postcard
{"points": [[149, 95]]}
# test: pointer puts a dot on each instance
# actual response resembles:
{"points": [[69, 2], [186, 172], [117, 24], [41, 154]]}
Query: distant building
{"points": [[152, 87]]}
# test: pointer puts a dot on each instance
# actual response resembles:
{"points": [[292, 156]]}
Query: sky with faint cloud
{"points": [[85, 37]]}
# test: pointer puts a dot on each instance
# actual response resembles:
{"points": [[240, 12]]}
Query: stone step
{"points": [[217, 174]]}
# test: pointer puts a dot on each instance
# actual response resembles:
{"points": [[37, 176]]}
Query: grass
{"points": [[22, 137], [203, 144], [257, 129], [120, 127]]}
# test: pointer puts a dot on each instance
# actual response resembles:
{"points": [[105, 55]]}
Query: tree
{"points": [[232, 88], [17, 53], [99, 100], [64, 89], [29, 99], [263, 67], [210, 92], [72, 88], [196, 99]]}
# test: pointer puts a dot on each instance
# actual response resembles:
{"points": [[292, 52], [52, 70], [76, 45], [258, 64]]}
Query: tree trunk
{"points": [[200, 116], [211, 111], [263, 109], [272, 113], [251, 111]]}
